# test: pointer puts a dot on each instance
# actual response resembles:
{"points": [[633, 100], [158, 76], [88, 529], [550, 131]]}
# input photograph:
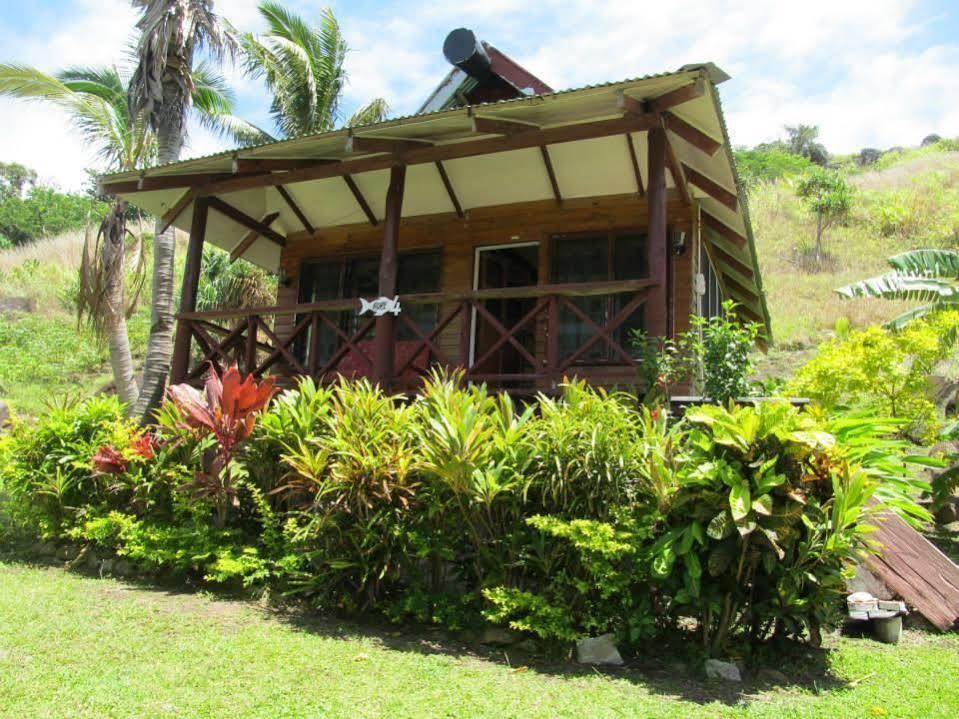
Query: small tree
{"points": [[829, 196]]}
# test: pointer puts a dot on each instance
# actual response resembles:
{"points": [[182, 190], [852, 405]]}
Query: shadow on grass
{"points": [[672, 667]]}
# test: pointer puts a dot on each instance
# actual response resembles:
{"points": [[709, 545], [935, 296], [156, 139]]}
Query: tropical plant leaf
{"points": [[927, 263], [739, 502]]}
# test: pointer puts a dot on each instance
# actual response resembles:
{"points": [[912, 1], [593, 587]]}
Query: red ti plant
{"points": [[109, 460], [226, 410]]}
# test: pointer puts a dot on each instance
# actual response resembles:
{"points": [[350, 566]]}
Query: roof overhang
{"points": [[472, 157]]}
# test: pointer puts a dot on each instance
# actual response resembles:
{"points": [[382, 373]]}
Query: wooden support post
{"points": [[386, 325], [657, 322], [250, 354], [552, 343], [191, 280]]}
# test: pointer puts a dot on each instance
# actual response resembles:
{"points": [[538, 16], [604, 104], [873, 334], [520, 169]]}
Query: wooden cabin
{"points": [[523, 232]]}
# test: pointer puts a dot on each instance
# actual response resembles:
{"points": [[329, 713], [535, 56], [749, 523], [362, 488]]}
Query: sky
{"points": [[869, 73]]}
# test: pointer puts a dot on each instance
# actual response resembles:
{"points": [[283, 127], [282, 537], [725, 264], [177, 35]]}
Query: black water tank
{"points": [[462, 49]]}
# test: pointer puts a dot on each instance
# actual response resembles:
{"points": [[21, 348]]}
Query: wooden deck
{"points": [[248, 338]]}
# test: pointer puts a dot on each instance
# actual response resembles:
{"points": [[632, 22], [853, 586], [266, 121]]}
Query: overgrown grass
{"points": [[906, 204], [44, 354], [73, 646]]}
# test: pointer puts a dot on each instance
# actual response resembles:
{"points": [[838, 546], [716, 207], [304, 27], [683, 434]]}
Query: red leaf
{"points": [[108, 460]]}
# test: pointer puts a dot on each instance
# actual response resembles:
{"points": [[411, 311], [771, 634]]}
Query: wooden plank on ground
{"points": [[912, 567]]}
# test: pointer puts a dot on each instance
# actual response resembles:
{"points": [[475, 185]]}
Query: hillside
{"points": [[908, 200]]}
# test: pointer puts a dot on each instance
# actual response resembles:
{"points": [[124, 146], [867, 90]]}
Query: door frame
{"points": [[476, 273]]}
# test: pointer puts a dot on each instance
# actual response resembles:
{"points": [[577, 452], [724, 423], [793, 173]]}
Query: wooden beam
{"points": [[191, 281], [551, 174], [635, 163], [657, 312], [171, 215], [241, 218], [733, 284], [676, 170], [421, 155], [717, 225], [250, 237], [727, 259], [671, 99], [712, 188], [385, 341], [449, 189], [691, 134], [296, 209], [637, 107], [360, 200], [383, 144], [248, 165], [497, 126]]}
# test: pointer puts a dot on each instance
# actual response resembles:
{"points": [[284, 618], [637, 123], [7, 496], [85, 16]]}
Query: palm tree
{"points": [[927, 276], [163, 90], [303, 67], [95, 98]]}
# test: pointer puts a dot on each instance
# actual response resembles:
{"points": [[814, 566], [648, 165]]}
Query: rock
{"points": [[771, 676], [718, 669], [123, 568], [598, 650], [528, 645], [44, 549], [4, 414], [947, 513], [11, 305], [498, 636]]}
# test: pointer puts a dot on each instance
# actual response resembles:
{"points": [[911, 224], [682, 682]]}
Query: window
{"points": [[712, 300], [345, 278], [599, 257]]}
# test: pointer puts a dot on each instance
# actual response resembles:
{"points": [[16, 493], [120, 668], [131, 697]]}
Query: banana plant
{"points": [[928, 276]]}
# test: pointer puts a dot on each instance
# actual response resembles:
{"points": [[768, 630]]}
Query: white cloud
{"points": [[860, 69]]}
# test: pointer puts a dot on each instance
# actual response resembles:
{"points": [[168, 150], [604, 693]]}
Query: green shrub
{"points": [[883, 370], [580, 514]]}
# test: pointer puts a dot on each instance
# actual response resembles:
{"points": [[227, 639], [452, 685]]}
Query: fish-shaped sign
{"points": [[380, 306]]}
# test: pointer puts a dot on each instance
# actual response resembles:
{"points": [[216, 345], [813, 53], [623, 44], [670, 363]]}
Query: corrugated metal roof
{"points": [[394, 121]]}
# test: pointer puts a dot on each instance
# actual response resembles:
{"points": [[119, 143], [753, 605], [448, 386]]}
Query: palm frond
{"points": [[375, 110]]}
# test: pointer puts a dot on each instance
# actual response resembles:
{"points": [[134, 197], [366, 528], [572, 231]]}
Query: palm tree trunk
{"points": [[156, 367], [115, 321]]}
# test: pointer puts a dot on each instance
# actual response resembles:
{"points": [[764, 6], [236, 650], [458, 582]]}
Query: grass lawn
{"points": [[74, 646]]}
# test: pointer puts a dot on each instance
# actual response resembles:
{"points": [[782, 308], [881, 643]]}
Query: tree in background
{"points": [[827, 194], [95, 99], [303, 67], [162, 91], [15, 179], [927, 276], [803, 140]]}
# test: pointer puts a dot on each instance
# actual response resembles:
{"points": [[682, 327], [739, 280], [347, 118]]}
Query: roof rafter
{"points": [[676, 170], [291, 203], [248, 165], [498, 126], [551, 174], [241, 218], [171, 215], [720, 227], [360, 200], [635, 163], [355, 143], [449, 189], [250, 237], [712, 188], [691, 134]]}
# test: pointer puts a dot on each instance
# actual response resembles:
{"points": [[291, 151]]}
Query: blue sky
{"points": [[868, 72]]}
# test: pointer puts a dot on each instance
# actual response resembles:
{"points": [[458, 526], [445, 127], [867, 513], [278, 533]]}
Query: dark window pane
{"points": [[418, 272], [320, 281], [581, 259], [629, 257]]}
